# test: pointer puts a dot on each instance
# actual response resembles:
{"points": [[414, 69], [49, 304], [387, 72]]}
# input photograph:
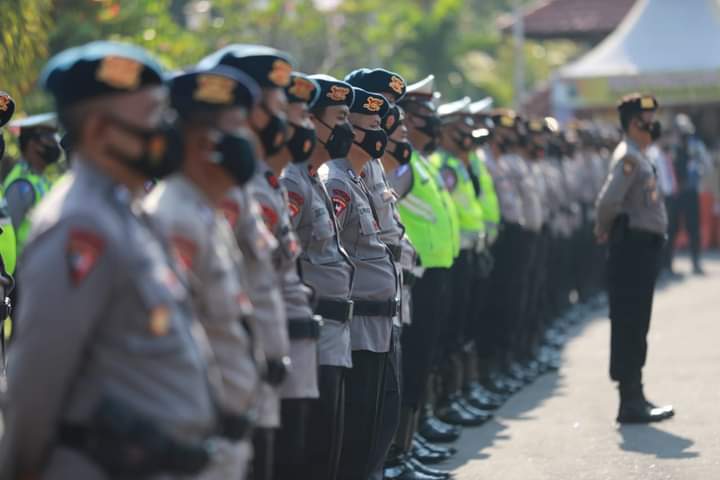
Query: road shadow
{"points": [[649, 440]]}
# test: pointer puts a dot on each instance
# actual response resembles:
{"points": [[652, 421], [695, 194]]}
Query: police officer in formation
{"points": [[328, 279]]}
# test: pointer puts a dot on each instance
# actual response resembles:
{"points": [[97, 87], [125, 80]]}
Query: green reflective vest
{"points": [[40, 185], [8, 245], [427, 221], [488, 197], [460, 185]]}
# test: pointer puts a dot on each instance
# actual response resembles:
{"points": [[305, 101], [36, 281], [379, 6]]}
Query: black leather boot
{"points": [[398, 467], [434, 430], [475, 394], [420, 440], [453, 408], [635, 408]]}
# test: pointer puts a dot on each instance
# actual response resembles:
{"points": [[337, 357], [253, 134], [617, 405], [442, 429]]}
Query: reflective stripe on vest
{"points": [[427, 221]]}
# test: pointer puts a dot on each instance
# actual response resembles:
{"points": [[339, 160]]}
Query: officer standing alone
{"points": [[631, 217]]}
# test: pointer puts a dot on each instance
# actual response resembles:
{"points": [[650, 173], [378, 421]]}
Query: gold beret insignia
{"points": [[119, 72], [373, 104], [214, 89], [338, 93]]}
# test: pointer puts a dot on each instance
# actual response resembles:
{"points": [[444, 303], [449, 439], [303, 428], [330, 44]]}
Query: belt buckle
{"points": [[395, 307], [350, 309]]}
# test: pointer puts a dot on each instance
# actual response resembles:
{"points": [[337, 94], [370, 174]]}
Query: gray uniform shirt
{"points": [[257, 244], [302, 380], [401, 180], [375, 275], [105, 314], [631, 188], [511, 205], [324, 265], [203, 243]]}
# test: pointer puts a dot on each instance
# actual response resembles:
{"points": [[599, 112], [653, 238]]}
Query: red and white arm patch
{"points": [[83, 251], [231, 210], [185, 251], [295, 203], [340, 200], [269, 216]]}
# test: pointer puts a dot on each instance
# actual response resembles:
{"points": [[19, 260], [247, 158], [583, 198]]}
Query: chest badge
{"points": [[159, 325]]}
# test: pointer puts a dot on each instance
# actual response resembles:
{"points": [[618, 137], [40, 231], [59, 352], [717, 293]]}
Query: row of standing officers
{"points": [[324, 267]]}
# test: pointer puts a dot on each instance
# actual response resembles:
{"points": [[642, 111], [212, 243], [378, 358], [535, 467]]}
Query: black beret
{"points": [[99, 68], [333, 92], [213, 89], [7, 108], [302, 89], [637, 103], [378, 80], [368, 103], [269, 67]]}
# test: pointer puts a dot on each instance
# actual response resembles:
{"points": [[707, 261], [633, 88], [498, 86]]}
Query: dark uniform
{"points": [[631, 211]]}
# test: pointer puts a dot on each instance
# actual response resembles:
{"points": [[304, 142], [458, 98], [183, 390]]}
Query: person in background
{"points": [[26, 184], [691, 161]]}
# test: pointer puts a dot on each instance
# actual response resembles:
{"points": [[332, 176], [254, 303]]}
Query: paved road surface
{"points": [[562, 427]]}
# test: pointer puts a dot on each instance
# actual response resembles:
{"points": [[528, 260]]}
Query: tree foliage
{"points": [[456, 40]]}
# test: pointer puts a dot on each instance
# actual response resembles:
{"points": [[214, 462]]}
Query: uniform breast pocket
{"points": [[650, 191], [155, 328], [322, 248], [369, 245]]}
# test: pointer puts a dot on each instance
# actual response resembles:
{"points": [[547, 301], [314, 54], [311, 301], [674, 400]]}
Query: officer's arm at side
{"points": [[610, 200], [68, 274]]}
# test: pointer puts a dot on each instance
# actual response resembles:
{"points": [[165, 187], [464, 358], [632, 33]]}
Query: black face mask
{"points": [[302, 143], [374, 142], [274, 135], [654, 128], [340, 140], [401, 152], [162, 152], [49, 152], [432, 125], [237, 155], [464, 141]]}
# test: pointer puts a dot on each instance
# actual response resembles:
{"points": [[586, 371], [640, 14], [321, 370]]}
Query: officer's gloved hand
{"points": [[277, 370]]}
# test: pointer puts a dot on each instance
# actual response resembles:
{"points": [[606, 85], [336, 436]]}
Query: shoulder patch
{"points": [[83, 251], [295, 203], [272, 180], [340, 200], [231, 211], [270, 216], [185, 250]]}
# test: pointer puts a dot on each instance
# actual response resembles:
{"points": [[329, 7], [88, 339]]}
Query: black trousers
{"points": [[459, 311], [389, 419], [632, 268], [363, 411], [326, 418], [420, 340], [263, 454], [688, 207], [290, 454]]}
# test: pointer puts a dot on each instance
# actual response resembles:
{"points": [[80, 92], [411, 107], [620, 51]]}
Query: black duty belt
{"points": [[645, 236], [379, 308], [135, 457], [236, 427], [396, 251], [409, 278], [338, 310], [304, 328]]}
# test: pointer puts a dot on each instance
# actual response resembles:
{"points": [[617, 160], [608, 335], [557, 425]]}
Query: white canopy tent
{"points": [[668, 47]]}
